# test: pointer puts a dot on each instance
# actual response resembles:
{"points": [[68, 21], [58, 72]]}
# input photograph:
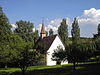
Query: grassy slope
{"points": [[82, 69]]}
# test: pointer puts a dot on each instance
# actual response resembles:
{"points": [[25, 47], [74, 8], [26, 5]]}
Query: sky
{"points": [[53, 11]]}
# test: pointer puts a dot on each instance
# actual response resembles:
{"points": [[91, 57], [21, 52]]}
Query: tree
{"points": [[75, 31], [27, 57], [80, 52], [97, 42], [25, 31], [36, 36], [75, 40], [99, 29], [5, 27], [10, 54], [72, 53], [50, 32], [5, 33], [46, 33], [59, 55], [63, 31]]}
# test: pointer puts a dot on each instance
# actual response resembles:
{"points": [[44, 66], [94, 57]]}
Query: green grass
{"points": [[9, 70], [31, 68], [47, 67], [88, 68]]}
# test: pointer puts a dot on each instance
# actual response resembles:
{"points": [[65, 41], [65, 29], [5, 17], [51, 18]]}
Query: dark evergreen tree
{"points": [[63, 31], [50, 32]]}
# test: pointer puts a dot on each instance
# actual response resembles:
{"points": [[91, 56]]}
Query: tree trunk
{"points": [[6, 66], [74, 65], [58, 63], [23, 72]]}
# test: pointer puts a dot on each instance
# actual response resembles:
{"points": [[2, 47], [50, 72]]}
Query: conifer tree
{"points": [[63, 31]]}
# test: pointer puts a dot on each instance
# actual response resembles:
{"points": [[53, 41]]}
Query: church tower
{"points": [[43, 33]]}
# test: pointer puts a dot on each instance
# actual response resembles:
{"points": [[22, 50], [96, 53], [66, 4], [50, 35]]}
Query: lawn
{"points": [[81, 69]]}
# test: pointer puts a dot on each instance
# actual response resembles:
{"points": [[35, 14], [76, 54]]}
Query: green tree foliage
{"points": [[50, 32], [97, 42], [80, 52], [63, 31], [59, 55], [9, 53], [36, 36], [98, 34], [25, 31], [5, 27], [5, 32], [99, 29], [75, 41], [9, 42], [46, 33], [27, 57], [75, 31]]}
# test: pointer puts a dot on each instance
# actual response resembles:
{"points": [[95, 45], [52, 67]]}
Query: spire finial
{"points": [[42, 21]]}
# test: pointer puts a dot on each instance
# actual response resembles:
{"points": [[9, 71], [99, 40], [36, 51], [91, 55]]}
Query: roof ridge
{"points": [[51, 35]]}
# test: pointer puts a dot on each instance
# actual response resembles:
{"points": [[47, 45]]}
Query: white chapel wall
{"points": [[54, 45]]}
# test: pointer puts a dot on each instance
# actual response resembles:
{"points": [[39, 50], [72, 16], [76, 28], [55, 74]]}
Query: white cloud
{"points": [[39, 28], [90, 16], [54, 28], [92, 13], [88, 22], [54, 24]]}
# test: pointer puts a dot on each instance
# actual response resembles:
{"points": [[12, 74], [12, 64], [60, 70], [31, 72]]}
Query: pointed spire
{"points": [[42, 29], [43, 33]]}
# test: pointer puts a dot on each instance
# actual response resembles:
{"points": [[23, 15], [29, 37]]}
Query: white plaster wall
{"points": [[54, 45]]}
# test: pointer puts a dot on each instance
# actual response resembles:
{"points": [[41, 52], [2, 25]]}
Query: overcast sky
{"points": [[52, 11]]}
